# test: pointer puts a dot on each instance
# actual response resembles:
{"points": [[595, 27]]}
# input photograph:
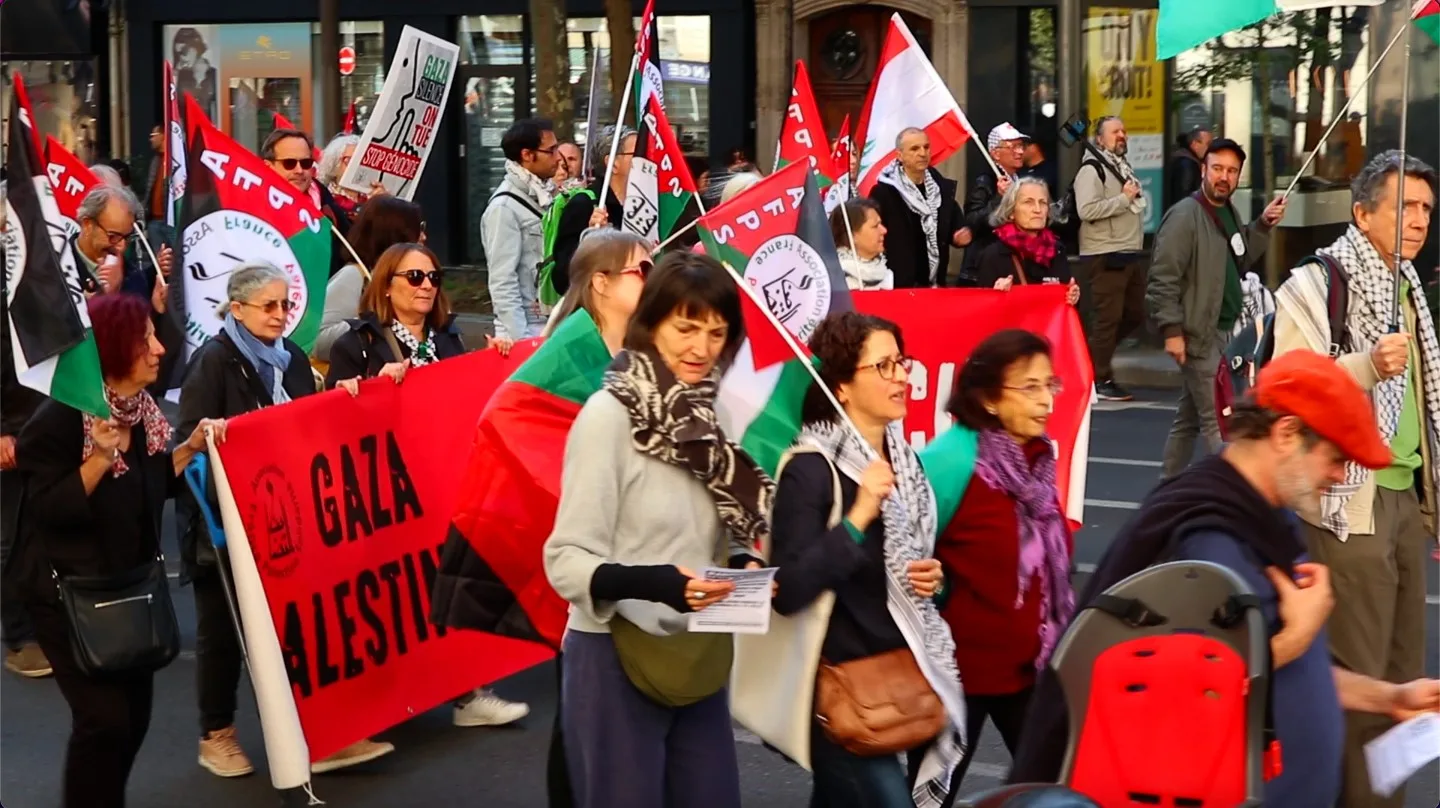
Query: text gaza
{"points": [[750, 219], [360, 510], [246, 180]]}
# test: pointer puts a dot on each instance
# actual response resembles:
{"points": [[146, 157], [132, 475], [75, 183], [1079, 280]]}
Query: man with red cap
{"points": [[1305, 419]]}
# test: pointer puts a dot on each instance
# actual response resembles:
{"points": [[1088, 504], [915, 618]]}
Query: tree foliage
{"points": [[553, 96]]}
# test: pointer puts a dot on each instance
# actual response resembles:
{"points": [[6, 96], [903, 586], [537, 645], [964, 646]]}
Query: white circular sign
{"points": [[214, 246], [347, 60], [791, 278]]}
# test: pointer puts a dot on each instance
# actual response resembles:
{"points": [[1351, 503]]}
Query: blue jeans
{"points": [[844, 780]]}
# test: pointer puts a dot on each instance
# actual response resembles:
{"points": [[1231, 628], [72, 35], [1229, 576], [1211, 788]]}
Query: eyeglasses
{"points": [[271, 307], [643, 269], [289, 163], [1035, 390], [116, 239], [886, 367], [416, 277], [550, 150]]}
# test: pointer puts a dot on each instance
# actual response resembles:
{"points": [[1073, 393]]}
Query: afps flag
{"points": [[236, 209], [802, 136], [675, 188], [777, 237], [49, 326]]}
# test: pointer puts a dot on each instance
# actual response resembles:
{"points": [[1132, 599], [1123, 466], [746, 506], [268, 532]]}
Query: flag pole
{"points": [[150, 251], [358, 263], [850, 234], [794, 346], [1397, 317], [619, 128], [1354, 94], [590, 116], [682, 231]]}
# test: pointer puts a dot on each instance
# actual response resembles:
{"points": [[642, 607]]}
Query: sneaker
{"points": [[221, 755], [353, 755], [1108, 390], [485, 709], [28, 661]]}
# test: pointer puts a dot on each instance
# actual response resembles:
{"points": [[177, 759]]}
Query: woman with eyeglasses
{"points": [[876, 556], [1005, 544], [607, 275], [248, 365], [1026, 251]]}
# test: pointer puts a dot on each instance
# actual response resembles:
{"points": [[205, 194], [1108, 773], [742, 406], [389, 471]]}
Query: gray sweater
{"points": [[342, 303], [619, 506]]}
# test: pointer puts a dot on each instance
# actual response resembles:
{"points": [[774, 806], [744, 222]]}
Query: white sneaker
{"points": [[485, 709]]}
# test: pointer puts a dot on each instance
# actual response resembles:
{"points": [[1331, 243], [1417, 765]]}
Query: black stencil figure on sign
{"points": [[404, 120]]}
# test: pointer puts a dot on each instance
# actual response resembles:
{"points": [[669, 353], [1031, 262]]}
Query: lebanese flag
{"points": [[70, 178], [511, 488], [776, 238], [907, 92]]}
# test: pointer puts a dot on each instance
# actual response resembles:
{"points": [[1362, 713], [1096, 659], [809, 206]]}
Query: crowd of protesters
{"points": [[955, 585]]}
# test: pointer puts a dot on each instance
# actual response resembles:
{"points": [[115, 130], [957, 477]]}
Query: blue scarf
{"points": [[269, 361]]}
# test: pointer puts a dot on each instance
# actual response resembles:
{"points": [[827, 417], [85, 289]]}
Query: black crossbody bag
{"points": [[123, 623]]}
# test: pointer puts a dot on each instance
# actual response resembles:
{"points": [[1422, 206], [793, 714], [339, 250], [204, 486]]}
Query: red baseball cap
{"points": [[1328, 400]]}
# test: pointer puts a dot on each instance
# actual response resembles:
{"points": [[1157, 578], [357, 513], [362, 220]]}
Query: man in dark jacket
{"points": [[291, 154], [1006, 145], [922, 220], [1305, 419], [1182, 176]]}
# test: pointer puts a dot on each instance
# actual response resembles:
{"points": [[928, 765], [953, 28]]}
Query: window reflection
{"points": [[63, 96]]}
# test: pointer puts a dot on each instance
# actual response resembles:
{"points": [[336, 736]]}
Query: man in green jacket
{"points": [[1194, 294]]}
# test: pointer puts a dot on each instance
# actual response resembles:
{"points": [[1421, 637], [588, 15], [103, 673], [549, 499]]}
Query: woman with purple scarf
{"points": [[1004, 543]]}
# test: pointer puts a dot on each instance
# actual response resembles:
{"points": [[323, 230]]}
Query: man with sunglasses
{"points": [[511, 230], [291, 154]]}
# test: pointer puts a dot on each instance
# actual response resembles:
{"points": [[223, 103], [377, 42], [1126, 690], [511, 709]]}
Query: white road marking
{"points": [[1121, 406], [1125, 461], [1114, 504]]}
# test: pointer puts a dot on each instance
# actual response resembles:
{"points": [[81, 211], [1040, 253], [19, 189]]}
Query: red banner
{"points": [[941, 328], [346, 503]]}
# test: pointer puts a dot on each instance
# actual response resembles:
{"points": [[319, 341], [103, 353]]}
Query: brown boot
{"points": [[221, 755], [354, 754], [28, 661]]}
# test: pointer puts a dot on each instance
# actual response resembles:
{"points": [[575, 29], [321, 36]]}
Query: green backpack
{"points": [[550, 228]]}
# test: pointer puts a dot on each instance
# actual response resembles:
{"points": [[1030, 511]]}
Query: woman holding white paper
{"points": [[652, 493]]}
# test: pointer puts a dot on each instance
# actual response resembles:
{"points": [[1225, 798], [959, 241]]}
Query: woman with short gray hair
{"points": [[247, 365], [1026, 251]]}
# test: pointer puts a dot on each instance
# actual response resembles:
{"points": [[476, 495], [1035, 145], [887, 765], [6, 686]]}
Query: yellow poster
{"points": [[1124, 78]]}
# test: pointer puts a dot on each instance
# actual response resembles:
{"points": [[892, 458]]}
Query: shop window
{"points": [[490, 39], [1124, 79], [63, 95], [362, 87]]}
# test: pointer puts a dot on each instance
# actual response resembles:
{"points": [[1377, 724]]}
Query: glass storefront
{"points": [[65, 99], [362, 87]]}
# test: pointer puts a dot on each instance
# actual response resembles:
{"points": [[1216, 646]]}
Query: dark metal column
{"points": [[329, 122]]}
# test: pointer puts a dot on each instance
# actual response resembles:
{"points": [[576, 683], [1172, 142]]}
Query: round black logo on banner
{"points": [[275, 523]]}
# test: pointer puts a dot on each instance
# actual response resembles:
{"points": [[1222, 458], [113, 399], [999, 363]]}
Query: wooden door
{"points": [[844, 50]]}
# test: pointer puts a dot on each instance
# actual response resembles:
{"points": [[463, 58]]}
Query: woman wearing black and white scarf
{"points": [[651, 493], [878, 561], [920, 214]]}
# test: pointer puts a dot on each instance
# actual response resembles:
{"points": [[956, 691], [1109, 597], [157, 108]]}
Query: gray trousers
{"points": [[1377, 627], [1195, 415]]}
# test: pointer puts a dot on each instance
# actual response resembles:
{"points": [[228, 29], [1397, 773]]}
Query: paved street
{"points": [[504, 768]]}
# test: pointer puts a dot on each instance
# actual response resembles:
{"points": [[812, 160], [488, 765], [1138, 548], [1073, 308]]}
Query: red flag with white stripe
{"points": [[907, 92]]}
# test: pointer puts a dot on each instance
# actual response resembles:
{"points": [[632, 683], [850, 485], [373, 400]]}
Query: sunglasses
{"points": [[643, 269], [289, 163], [287, 305], [416, 277]]}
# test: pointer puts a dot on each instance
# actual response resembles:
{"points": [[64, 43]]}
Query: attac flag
{"points": [[674, 185], [237, 209], [802, 136], [70, 179], [49, 325], [777, 237], [642, 194], [174, 148], [511, 488], [907, 92], [840, 156]]}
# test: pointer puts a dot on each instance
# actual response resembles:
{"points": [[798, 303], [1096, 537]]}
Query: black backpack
{"points": [[1068, 227]]}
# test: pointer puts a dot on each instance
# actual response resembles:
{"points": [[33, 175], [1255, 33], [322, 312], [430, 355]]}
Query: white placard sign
{"points": [[399, 135]]}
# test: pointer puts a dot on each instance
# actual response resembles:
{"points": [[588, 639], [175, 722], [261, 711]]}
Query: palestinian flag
{"points": [[776, 236], [49, 326], [675, 187], [237, 209], [70, 179], [802, 136], [175, 166], [511, 487], [642, 194], [840, 156], [1427, 18]]}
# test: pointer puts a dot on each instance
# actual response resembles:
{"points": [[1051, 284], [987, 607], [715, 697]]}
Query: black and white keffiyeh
{"points": [[909, 519], [421, 353], [1127, 174], [924, 202], [1371, 285]]}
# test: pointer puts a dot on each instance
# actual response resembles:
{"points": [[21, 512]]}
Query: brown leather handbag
{"points": [[878, 705]]}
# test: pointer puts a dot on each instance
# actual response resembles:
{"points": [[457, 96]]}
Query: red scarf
{"points": [[127, 412], [1038, 247]]}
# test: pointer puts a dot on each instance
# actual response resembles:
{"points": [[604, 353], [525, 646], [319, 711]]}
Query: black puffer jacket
{"points": [[363, 351]]}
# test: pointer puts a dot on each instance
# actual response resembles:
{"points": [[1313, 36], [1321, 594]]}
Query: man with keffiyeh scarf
{"points": [[1373, 528], [921, 217], [510, 228]]}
